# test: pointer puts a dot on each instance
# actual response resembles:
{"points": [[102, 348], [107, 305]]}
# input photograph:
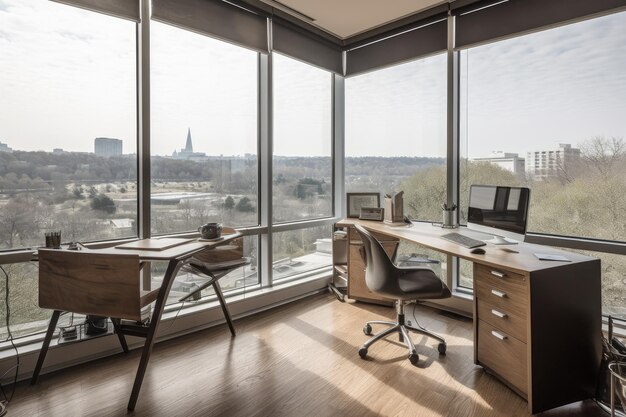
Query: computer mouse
{"points": [[478, 251]]}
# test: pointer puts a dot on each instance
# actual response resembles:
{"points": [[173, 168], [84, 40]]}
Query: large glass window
{"points": [[545, 111], [396, 134], [300, 252], [204, 131], [67, 134], [302, 154]]}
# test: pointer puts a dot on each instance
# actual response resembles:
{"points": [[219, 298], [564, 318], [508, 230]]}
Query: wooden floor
{"points": [[297, 360]]}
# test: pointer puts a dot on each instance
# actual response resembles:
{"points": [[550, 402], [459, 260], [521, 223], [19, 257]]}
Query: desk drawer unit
{"points": [[501, 306], [503, 354]]}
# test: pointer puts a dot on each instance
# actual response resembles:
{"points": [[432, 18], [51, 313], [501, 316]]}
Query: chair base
{"points": [[402, 329]]}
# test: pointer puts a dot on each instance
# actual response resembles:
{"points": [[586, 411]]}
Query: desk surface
{"points": [[182, 250], [430, 236]]}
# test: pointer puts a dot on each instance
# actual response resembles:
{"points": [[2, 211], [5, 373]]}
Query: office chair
{"points": [[403, 285]]}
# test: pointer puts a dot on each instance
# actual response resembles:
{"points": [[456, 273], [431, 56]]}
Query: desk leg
{"points": [[46, 343], [118, 329], [220, 297], [168, 279]]}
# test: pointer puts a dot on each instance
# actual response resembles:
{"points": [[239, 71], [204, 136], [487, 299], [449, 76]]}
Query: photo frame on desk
{"points": [[356, 201]]}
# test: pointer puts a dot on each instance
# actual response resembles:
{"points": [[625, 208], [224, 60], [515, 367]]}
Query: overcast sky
{"points": [[68, 76]]}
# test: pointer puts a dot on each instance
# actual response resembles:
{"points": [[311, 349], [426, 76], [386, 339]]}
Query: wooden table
{"points": [[537, 324], [176, 256]]}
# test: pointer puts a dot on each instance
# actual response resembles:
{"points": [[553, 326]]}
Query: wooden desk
{"points": [[537, 324], [176, 257]]}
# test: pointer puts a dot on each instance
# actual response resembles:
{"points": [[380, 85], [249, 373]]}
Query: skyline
{"points": [[74, 71]]}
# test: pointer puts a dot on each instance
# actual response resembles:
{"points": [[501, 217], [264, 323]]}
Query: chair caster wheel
{"points": [[363, 352], [367, 329], [442, 348], [414, 358]]}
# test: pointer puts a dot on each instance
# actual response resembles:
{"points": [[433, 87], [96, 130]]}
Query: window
{"points": [[302, 156], [545, 111], [297, 253], [396, 134], [204, 131], [67, 134]]}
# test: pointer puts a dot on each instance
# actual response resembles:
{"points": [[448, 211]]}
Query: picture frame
{"points": [[356, 201]]}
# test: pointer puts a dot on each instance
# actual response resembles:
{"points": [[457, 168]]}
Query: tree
{"points": [[604, 155], [244, 205], [308, 187], [104, 203], [77, 192], [229, 203]]}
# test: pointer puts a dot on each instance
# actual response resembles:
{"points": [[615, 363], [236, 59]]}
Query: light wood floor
{"points": [[297, 360]]}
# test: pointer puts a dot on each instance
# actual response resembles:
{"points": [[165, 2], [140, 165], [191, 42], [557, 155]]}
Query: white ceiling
{"points": [[346, 18]]}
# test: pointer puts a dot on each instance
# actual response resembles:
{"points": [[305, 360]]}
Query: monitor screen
{"points": [[503, 208]]}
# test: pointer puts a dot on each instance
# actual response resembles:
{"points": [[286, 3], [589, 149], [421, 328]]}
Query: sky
{"points": [[68, 76]]}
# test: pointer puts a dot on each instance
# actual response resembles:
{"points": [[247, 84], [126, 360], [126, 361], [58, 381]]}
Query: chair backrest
{"points": [[381, 275], [90, 283]]}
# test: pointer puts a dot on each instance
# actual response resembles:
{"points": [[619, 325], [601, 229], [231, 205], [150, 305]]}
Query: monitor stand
{"points": [[499, 240]]}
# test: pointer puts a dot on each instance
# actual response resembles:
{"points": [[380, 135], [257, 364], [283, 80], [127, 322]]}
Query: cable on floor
{"points": [[7, 399]]}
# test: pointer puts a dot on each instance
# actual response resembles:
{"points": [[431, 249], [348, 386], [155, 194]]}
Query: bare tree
{"points": [[604, 155]]}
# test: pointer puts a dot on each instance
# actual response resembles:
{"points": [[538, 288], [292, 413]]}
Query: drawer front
{"points": [[357, 289], [502, 289], [502, 319], [503, 354]]}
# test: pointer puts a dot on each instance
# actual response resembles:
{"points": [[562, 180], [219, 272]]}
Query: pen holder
{"points": [[53, 240], [448, 219]]}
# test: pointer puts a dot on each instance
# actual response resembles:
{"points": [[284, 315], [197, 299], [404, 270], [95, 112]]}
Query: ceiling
{"points": [[346, 18]]}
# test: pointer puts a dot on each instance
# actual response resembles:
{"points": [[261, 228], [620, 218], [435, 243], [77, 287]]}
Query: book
{"points": [[552, 257], [154, 244]]}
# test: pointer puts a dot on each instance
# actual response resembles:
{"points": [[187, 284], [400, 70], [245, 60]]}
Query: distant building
{"points": [[547, 163], [187, 152], [58, 151], [509, 161], [5, 148], [108, 147]]}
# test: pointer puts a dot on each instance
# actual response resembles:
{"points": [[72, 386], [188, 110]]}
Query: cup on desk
{"points": [[53, 240], [210, 230]]}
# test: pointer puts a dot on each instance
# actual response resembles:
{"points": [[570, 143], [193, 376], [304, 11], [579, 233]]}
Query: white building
{"points": [[547, 163], [509, 161], [108, 147]]}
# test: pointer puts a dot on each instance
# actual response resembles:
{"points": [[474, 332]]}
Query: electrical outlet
{"points": [[409, 322]]}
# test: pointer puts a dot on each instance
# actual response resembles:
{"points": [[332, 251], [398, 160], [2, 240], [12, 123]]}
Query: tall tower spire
{"points": [[189, 145]]}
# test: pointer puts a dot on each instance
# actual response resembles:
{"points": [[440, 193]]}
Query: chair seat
{"points": [[422, 285]]}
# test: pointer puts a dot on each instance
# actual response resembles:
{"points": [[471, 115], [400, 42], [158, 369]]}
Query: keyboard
{"points": [[468, 242]]}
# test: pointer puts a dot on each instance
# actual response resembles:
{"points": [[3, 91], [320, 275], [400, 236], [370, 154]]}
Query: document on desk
{"points": [[154, 244], [552, 257]]}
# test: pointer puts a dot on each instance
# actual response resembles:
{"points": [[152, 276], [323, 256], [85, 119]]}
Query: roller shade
{"points": [[307, 48], [403, 47], [126, 9], [518, 16], [214, 18]]}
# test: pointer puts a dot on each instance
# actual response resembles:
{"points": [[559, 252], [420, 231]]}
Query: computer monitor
{"points": [[499, 211]]}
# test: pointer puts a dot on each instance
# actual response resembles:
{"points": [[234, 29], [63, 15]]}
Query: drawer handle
{"points": [[498, 313], [498, 293], [498, 274], [499, 335]]}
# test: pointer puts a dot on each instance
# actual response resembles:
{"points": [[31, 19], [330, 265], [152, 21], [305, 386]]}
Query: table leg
{"points": [[168, 279], [118, 329], [46, 343], [220, 297]]}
